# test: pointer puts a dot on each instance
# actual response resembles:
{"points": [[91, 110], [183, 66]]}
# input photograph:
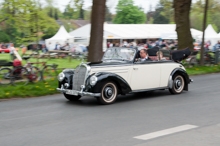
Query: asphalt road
{"points": [[54, 121]]}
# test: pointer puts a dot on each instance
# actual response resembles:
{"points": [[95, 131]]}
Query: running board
{"points": [[144, 90]]}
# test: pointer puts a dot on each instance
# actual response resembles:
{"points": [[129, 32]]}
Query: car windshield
{"points": [[125, 54]]}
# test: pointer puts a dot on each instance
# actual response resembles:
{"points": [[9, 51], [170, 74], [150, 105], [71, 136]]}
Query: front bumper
{"points": [[76, 93], [190, 80]]}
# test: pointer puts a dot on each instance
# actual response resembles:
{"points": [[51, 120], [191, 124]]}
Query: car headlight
{"points": [[93, 80], [61, 76]]}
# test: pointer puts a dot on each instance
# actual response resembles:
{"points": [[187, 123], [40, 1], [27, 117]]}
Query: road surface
{"points": [[152, 118]]}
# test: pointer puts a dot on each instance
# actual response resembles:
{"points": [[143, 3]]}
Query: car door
{"points": [[145, 76]]}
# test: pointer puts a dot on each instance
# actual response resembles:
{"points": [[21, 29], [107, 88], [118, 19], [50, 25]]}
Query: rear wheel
{"points": [[178, 84], [5, 76], [72, 97], [109, 93], [49, 74], [20, 76], [36, 74]]}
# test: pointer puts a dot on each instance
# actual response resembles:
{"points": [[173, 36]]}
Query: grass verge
{"points": [[30, 90], [203, 70]]}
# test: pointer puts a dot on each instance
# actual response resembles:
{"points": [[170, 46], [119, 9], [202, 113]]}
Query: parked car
{"points": [[121, 72], [4, 50]]}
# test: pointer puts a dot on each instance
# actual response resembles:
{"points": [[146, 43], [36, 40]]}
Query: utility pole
{"points": [[203, 35]]}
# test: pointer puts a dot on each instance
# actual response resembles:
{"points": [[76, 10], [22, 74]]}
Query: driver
{"points": [[144, 55]]}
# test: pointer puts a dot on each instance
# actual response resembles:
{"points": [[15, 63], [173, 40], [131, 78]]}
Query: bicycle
{"points": [[22, 75], [5, 72]]}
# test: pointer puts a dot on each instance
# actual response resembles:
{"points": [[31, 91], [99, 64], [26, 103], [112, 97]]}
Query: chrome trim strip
{"points": [[62, 90], [111, 65], [134, 91]]}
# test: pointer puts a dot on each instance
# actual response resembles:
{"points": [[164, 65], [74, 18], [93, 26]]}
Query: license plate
{"points": [[72, 92]]}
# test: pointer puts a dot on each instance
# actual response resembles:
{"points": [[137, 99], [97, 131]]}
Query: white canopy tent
{"points": [[210, 35], [62, 37]]}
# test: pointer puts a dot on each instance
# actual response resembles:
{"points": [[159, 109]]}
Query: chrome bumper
{"points": [[81, 93], [190, 80]]}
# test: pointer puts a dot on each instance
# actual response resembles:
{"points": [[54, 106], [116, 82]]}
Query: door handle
{"points": [[135, 68]]}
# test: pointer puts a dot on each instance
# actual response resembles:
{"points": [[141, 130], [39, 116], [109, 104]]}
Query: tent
{"points": [[62, 37], [132, 31], [210, 35]]}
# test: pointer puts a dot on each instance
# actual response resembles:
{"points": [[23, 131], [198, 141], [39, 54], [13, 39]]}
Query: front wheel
{"points": [[109, 93], [49, 74], [178, 85], [72, 97], [5, 76]]}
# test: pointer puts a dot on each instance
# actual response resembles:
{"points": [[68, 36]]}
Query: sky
{"points": [[145, 4]]}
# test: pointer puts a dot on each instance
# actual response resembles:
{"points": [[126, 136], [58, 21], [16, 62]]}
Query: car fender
{"points": [[182, 72], [69, 73], [106, 76]]}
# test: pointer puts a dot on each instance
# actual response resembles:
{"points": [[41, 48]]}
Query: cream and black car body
{"points": [[121, 72]]}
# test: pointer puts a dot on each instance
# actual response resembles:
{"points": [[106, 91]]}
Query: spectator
{"points": [[50, 46], [12, 49]]}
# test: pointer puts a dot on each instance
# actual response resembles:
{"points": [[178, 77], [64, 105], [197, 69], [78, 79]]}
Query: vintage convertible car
{"points": [[121, 72]]}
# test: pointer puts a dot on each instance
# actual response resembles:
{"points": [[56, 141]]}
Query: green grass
{"points": [[30, 90], [203, 70]]}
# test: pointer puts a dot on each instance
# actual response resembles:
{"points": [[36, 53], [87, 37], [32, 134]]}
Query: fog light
{"points": [[66, 85]]}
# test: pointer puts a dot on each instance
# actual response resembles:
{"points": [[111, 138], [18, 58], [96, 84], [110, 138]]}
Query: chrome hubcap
{"points": [[178, 84], [108, 92]]}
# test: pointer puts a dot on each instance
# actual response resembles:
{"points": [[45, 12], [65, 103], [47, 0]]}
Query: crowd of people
{"points": [[164, 44], [64, 47]]}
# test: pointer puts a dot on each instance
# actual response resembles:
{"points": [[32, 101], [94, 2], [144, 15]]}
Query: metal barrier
{"points": [[217, 57]]}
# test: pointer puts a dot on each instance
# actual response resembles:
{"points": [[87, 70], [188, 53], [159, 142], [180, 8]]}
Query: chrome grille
{"points": [[79, 77]]}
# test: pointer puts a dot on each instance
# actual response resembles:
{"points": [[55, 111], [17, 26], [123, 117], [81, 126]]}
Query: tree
{"points": [[160, 19], [182, 9], [69, 12], [96, 38], [74, 10], [108, 14], [25, 21], [56, 17], [4, 37], [127, 13]]}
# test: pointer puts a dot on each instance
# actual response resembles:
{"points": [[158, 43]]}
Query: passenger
{"points": [[144, 55], [160, 56]]}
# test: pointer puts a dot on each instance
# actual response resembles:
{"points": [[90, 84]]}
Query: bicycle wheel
{"points": [[49, 73], [35, 74], [20, 76], [5, 76]]}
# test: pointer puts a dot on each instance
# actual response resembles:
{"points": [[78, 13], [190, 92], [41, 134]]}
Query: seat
{"points": [[26, 57]]}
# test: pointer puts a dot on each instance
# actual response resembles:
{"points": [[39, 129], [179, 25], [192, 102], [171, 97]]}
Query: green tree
{"points": [[25, 21], [4, 37], [69, 12], [56, 17], [160, 19], [127, 13]]}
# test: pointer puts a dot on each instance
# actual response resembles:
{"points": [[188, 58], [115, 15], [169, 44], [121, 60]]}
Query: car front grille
{"points": [[79, 77]]}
